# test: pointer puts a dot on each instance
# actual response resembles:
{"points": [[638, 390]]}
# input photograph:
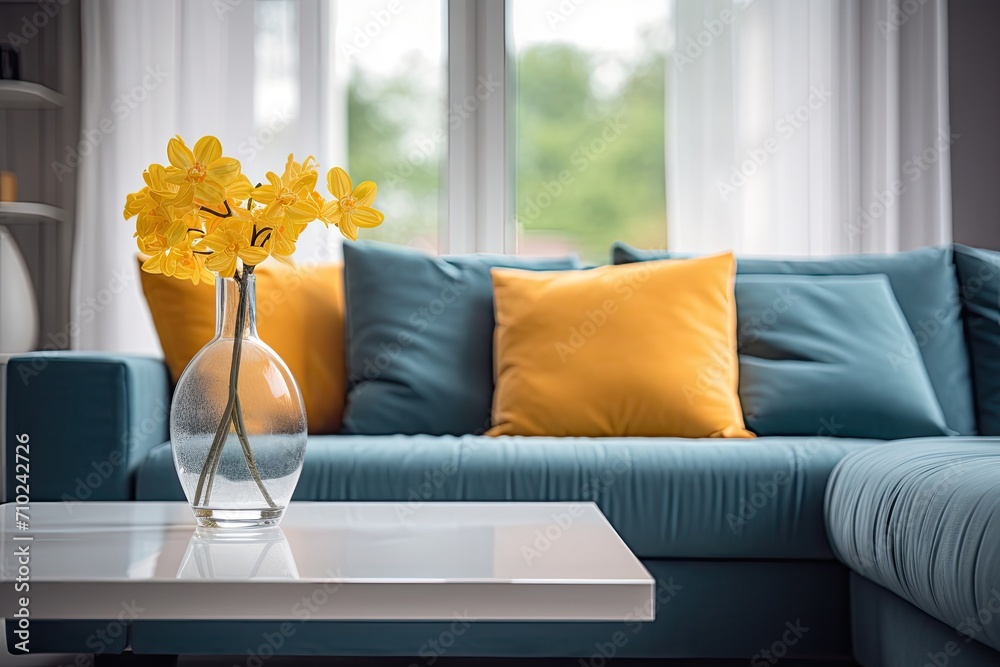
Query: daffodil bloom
{"points": [[200, 214], [166, 193], [151, 229], [289, 195], [204, 171], [231, 242], [277, 236], [239, 191], [137, 202], [183, 263], [350, 207], [180, 261]]}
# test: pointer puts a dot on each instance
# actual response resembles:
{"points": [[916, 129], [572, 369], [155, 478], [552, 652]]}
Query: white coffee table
{"points": [[342, 561]]}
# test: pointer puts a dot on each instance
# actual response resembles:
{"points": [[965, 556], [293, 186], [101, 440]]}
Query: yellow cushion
{"points": [[300, 314], [644, 349]]}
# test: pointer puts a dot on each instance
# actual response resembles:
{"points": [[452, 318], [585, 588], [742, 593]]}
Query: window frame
{"points": [[481, 216]]}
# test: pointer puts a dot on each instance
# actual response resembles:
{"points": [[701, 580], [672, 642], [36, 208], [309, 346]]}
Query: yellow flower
{"points": [[239, 191], [180, 261], [201, 215], [289, 195], [151, 230], [278, 236], [137, 202], [204, 172], [231, 241], [163, 192], [350, 207]]}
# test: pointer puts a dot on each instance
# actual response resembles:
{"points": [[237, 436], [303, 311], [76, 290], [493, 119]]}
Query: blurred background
{"points": [[535, 127]]}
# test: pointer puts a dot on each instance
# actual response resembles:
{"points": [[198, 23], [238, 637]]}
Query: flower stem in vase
{"points": [[232, 416]]}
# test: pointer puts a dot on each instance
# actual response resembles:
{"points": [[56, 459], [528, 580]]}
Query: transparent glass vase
{"points": [[237, 420]]}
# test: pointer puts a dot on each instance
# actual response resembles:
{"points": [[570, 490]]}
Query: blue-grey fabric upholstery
{"points": [[888, 631], [926, 288], [923, 521], [90, 417], [668, 498], [420, 338], [979, 285], [824, 349]]}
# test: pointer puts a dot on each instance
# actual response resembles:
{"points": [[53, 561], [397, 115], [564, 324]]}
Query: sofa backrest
{"points": [[926, 287]]}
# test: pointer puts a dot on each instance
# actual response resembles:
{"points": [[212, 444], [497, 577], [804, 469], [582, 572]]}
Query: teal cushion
{"points": [[667, 497], [979, 285], [420, 338], [924, 522], [926, 287], [817, 356]]}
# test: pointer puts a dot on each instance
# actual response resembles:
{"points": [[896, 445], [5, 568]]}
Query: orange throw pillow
{"points": [[644, 349], [300, 314]]}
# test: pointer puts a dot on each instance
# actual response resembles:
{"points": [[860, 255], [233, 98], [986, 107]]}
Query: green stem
{"points": [[241, 432], [207, 477], [227, 214]]}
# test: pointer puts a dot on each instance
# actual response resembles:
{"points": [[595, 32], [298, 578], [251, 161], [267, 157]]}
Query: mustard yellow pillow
{"points": [[644, 349], [300, 314]]}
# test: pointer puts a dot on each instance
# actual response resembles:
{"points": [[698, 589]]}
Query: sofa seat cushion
{"points": [[668, 498], [922, 519]]}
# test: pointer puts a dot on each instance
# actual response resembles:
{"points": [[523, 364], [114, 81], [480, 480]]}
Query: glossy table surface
{"points": [[348, 561]]}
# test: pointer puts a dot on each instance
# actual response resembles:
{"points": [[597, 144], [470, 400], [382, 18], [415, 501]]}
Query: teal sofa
{"points": [[809, 547]]}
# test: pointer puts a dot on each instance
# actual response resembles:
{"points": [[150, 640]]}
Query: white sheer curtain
{"points": [[808, 127], [156, 68]]}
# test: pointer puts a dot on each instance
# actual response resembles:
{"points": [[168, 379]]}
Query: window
{"points": [[396, 99], [359, 84], [567, 157], [589, 125]]}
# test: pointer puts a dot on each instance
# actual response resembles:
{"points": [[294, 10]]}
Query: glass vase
{"points": [[237, 420]]}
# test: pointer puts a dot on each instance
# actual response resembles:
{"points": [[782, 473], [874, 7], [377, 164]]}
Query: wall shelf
{"points": [[30, 213], [28, 95]]}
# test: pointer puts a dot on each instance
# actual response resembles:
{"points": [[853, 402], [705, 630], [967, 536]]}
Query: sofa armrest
{"points": [[89, 418]]}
